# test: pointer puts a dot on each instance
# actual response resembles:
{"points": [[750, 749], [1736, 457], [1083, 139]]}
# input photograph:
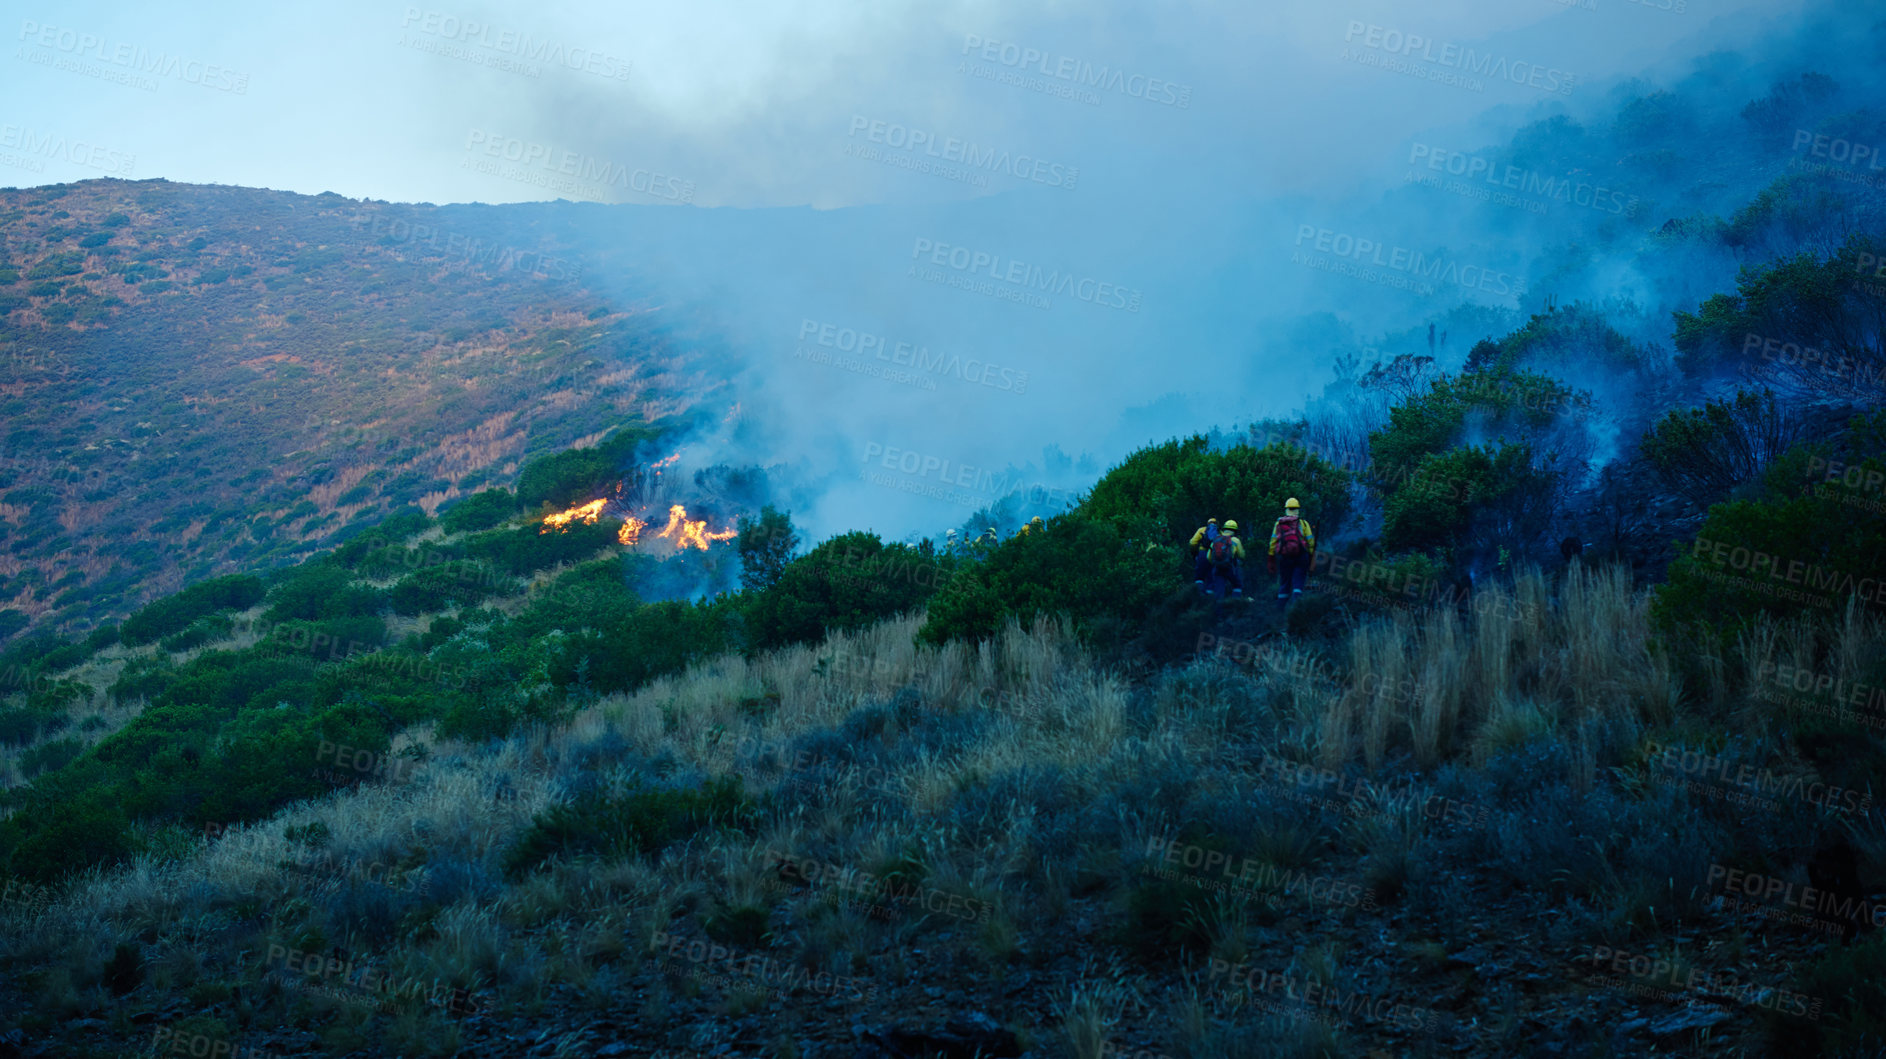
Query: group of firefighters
{"points": [[1218, 554]]}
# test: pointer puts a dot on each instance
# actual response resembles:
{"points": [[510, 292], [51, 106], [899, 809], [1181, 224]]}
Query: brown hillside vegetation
{"points": [[263, 368]]}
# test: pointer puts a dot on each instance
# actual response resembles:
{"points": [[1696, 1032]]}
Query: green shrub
{"points": [[1575, 336], [766, 545], [320, 589], [87, 829], [847, 582], [527, 549], [1083, 567], [201, 631], [1793, 548], [174, 613], [575, 475], [1806, 302], [1180, 484], [479, 511], [1471, 498], [21, 725], [466, 582], [1501, 403], [1703, 453], [46, 757], [642, 821], [1848, 985]]}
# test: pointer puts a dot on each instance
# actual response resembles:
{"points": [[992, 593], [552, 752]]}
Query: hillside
{"points": [[456, 719], [199, 380]]}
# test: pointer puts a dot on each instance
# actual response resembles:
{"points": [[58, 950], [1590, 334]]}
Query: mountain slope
{"points": [[201, 379]]}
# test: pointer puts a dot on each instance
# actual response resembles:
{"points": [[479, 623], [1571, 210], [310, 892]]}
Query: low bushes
{"points": [[643, 820]]}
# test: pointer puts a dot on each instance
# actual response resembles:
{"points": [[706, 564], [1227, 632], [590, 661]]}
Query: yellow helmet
{"points": [[1291, 504], [1036, 520], [1231, 524]]}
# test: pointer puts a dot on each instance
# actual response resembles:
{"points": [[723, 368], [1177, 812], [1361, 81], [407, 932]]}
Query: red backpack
{"points": [[1221, 551], [1289, 537]]}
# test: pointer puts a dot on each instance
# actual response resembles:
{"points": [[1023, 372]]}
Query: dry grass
{"points": [[1434, 687], [1523, 664]]}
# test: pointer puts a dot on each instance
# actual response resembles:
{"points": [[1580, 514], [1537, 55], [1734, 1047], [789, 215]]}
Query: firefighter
{"points": [[1292, 543], [1225, 555], [1201, 540]]}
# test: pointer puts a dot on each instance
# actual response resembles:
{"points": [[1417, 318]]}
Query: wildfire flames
{"points": [[681, 531], [588, 513]]}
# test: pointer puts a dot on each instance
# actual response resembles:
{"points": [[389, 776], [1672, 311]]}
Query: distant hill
{"points": [[198, 379]]}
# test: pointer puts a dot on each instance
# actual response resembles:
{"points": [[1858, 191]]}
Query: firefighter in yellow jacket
{"points": [[1225, 558], [1200, 543], [1292, 544]]}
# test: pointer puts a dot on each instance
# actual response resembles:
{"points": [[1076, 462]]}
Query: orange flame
{"points": [[562, 519], [691, 533], [631, 531], [659, 464]]}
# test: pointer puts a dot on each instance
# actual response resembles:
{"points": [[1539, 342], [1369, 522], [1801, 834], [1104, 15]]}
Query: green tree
{"points": [[1180, 484], [766, 545], [1703, 453], [1803, 325]]}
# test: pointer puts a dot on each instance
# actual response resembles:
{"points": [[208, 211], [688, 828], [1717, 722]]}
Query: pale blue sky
{"points": [[752, 102]]}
